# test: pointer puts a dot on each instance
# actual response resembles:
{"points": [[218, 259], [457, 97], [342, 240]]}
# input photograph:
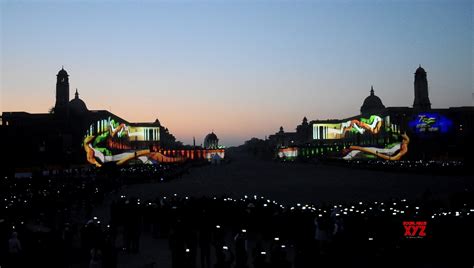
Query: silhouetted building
{"points": [[283, 139], [422, 101], [372, 104], [56, 138], [430, 133], [304, 131], [77, 106], [62, 93]]}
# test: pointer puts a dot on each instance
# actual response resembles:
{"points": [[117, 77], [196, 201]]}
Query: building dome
{"points": [[211, 141], [372, 104], [420, 70], [62, 72], [77, 106]]}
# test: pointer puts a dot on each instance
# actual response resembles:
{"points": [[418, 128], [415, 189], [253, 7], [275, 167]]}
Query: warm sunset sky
{"points": [[240, 68]]}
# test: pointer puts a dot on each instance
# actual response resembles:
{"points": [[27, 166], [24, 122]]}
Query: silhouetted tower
{"points": [[305, 121], [422, 101], [62, 92]]}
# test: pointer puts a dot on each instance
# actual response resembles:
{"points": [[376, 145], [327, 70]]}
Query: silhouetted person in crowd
{"points": [[241, 249], [219, 238], [338, 230], [177, 246], [322, 233], [96, 258], [14, 250], [205, 236], [189, 260], [280, 260], [224, 258], [132, 225], [260, 256], [109, 251], [67, 238]]}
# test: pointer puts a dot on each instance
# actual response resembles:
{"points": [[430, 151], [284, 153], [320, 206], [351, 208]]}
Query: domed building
{"points": [[62, 73], [77, 106], [211, 141], [372, 104], [59, 135]]}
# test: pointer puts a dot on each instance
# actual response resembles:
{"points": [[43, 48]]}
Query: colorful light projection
{"points": [[430, 123], [194, 154], [391, 152], [322, 131], [327, 131], [214, 154], [288, 153], [144, 133], [374, 125], [108, 140]]}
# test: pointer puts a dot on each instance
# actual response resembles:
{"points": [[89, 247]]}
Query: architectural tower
{"points": [[422, 101], [62, 92]]}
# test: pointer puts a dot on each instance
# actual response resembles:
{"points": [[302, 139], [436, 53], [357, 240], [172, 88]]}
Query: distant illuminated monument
{"points": [[372, 104], [58, 137], [389, 133], [422, 101], [211, 141]]}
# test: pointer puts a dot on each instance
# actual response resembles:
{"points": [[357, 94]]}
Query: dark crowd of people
{"points": [[153, 173], [47, 221], [46, 217], [257, 232]]}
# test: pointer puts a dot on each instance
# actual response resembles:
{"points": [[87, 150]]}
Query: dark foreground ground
{"points": [[288, 183], [303, 183]]}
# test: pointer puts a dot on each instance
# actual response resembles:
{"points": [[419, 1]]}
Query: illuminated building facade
{"points": [[390, 133], [211, 141], [57, 138]]}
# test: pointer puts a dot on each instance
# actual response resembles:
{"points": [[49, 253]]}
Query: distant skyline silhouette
{"points": [[241, 69]]}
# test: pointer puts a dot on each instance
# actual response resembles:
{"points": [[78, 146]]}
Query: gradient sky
{"points": [[240, 68]]}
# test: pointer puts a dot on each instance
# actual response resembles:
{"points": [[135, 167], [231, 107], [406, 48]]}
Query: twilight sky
{"points": [[240, 68]]}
